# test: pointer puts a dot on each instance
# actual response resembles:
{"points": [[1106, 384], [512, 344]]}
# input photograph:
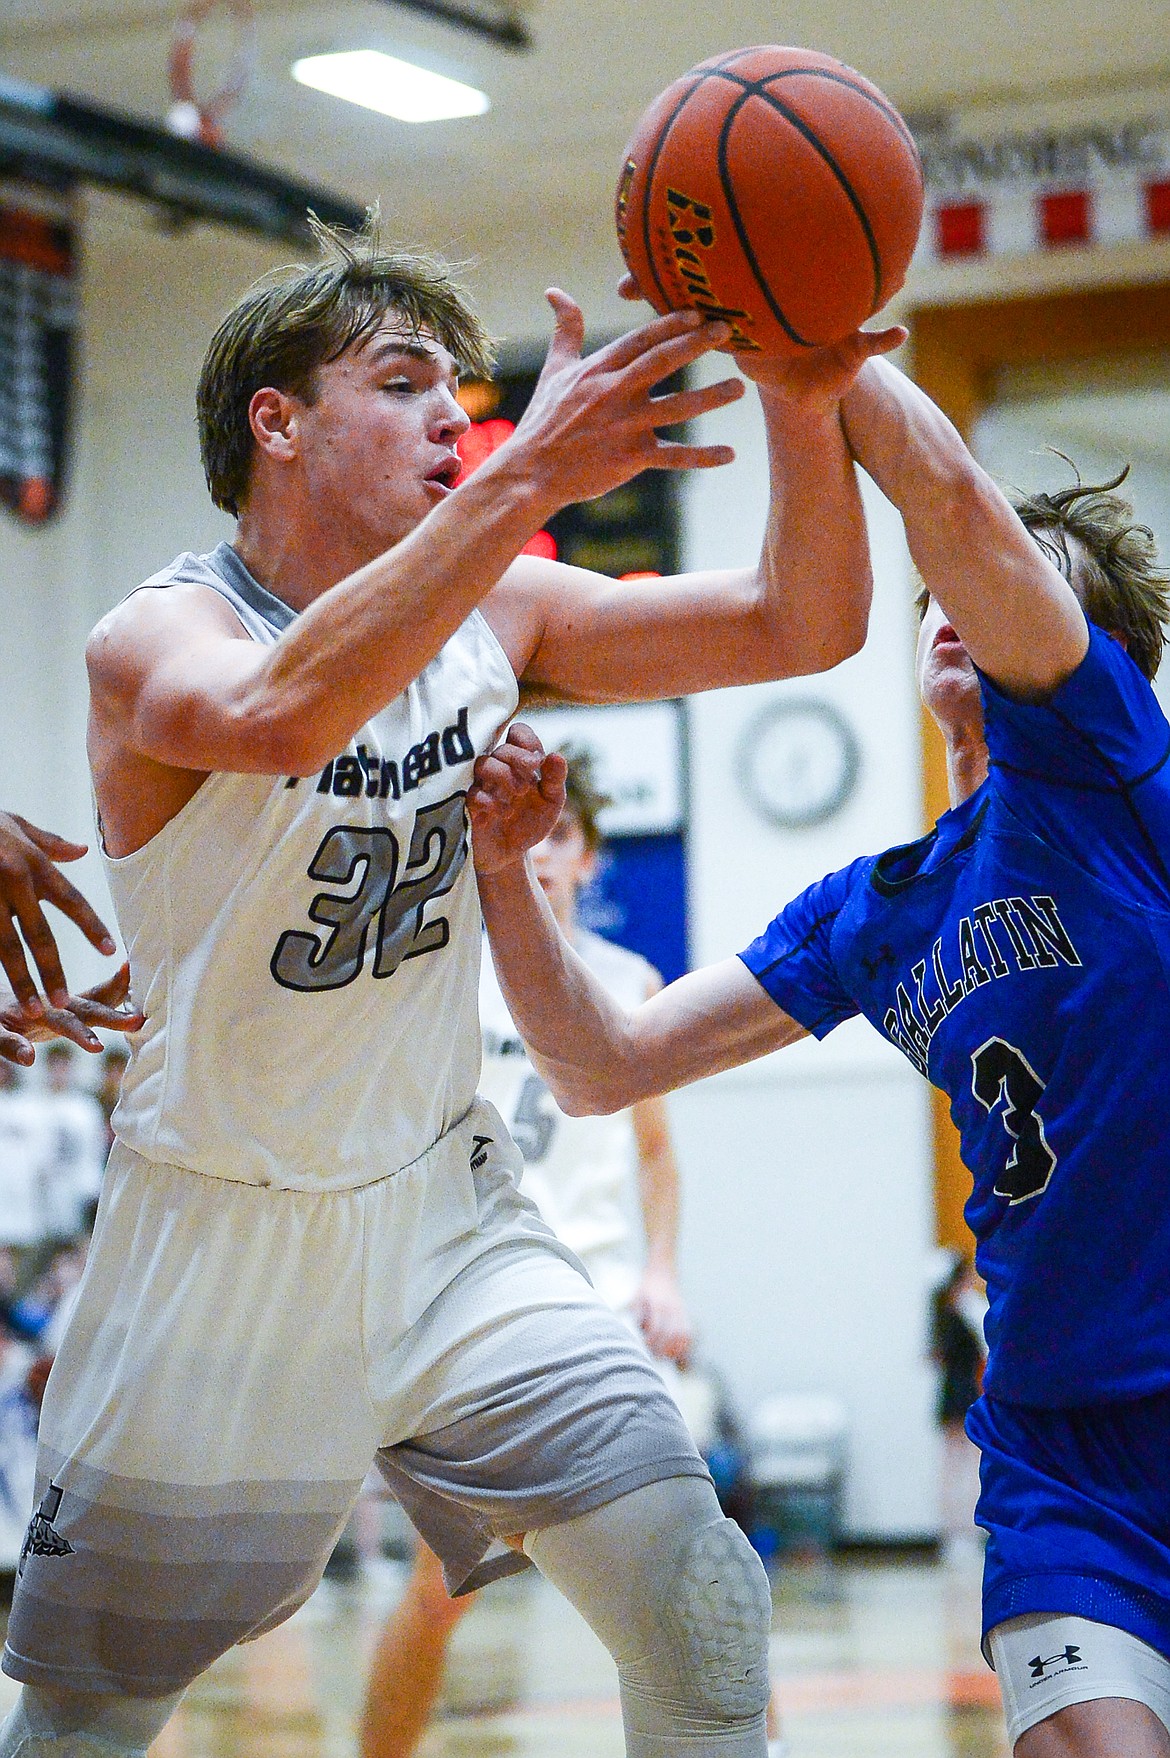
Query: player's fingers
{"points": [[64, 896], [659, 332], [668, 455], [43, 948], [111, 993], [108, 1019], [15, 968], [686, 405], [522, 735], [553, 773], [568, 337], [674, 353], [628, 287], [58, 848], [871, 342], [14, 1048], [64, 1022], [503, 776], [522, 756]]}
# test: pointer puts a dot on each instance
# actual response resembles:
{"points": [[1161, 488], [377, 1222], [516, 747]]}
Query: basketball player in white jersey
{"points": [[581, 1173], [310, 1249], [29, 876]]}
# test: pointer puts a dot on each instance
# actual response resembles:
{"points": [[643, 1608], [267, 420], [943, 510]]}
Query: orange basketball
{"points": [[775, 188]]}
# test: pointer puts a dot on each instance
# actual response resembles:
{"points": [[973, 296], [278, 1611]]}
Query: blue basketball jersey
{"points": [[1019, 956]]}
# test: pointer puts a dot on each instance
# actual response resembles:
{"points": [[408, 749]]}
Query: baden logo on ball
{"points": [[774, 188]]}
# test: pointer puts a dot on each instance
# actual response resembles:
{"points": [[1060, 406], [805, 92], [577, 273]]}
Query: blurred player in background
{"points": [[587, 1176], [1019, 956]]}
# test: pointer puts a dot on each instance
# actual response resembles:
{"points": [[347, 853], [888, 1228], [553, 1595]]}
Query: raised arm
{"points": [[803, 608], [1017, 616], [595, 1055], [170, 677]]}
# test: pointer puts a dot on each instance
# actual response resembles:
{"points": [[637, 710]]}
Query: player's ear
{"points": [[272, 416]]}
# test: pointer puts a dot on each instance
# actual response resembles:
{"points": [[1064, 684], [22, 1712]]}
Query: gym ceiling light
{"points": [[392, 87]]}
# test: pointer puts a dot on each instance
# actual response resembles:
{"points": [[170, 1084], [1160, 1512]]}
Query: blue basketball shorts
{"points": [[1076, 1505]]}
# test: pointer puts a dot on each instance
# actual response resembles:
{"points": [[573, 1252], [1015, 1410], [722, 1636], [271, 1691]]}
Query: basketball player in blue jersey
{"points": [[311, 1250], [1019, 955]]}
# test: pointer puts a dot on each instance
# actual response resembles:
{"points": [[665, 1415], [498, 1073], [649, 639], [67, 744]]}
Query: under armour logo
{"points": [[883, 956], [42, 1538], [1070, 1654], [479, 1146]]}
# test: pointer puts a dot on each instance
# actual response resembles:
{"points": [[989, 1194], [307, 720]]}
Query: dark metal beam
{"points": [[50, 137], [498, 23]]}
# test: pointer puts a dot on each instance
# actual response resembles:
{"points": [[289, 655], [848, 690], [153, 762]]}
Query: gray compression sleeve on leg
{"points": [[682, 1602], [83, 1724]]}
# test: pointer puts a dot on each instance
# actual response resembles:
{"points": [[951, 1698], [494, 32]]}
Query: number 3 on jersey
{"points": [[1001, 1072], [389, 907]]}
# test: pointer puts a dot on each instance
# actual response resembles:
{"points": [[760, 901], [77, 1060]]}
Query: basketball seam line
{"points": [[648, 190], [818, 146], [741, 230], [874, 98]]}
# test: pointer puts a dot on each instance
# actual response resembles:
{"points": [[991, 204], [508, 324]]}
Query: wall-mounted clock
{"points": [[798, 762]]}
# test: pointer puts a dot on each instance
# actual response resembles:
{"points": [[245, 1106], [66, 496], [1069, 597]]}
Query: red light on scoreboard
{"points": [[475, 447], [482, 438]]}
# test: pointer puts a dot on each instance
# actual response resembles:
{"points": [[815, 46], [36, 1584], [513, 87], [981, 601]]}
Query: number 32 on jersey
{"points": [[387, 906]]}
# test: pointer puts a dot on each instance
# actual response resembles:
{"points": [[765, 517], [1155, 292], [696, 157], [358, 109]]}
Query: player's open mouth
{"points": [[445, 475]]}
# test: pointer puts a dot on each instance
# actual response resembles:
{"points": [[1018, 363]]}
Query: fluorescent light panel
{"points": [[392, 87]]}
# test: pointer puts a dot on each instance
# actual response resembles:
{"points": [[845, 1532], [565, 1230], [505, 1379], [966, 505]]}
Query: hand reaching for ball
{"points": [[816, 375], [820, 376], [516, 796]]}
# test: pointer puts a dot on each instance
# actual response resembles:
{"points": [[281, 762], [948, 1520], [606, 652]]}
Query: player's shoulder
{"points": [[1102, 727], [183, 597]]}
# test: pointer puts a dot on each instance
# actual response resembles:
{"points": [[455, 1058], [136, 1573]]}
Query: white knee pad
{"points": [[83, 1724], [682, 1602], [715, 1611]]}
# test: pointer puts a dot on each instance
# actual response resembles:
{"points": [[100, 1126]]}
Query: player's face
{"points": [[946, 677], [377, 443], [563, 864]]}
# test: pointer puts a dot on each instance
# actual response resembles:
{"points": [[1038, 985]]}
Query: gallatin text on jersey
{"points": [[998, 939]]}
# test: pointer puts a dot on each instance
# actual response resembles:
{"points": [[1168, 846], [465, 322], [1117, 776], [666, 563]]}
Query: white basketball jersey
{"points": [[579, 1171], [307, 951]]}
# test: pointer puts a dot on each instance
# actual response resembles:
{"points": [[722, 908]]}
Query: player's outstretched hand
{"points": [[516, 797], [28, 877], [103, 1007], [661, 1315], [820, 377], [594, 420]]}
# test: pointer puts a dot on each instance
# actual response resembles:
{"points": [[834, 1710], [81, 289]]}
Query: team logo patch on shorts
{"points": [[1067, 1660], [42, 1538]]}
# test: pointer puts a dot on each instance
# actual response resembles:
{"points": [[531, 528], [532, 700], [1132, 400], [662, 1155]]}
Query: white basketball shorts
{"points": [[238, 1357]]}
